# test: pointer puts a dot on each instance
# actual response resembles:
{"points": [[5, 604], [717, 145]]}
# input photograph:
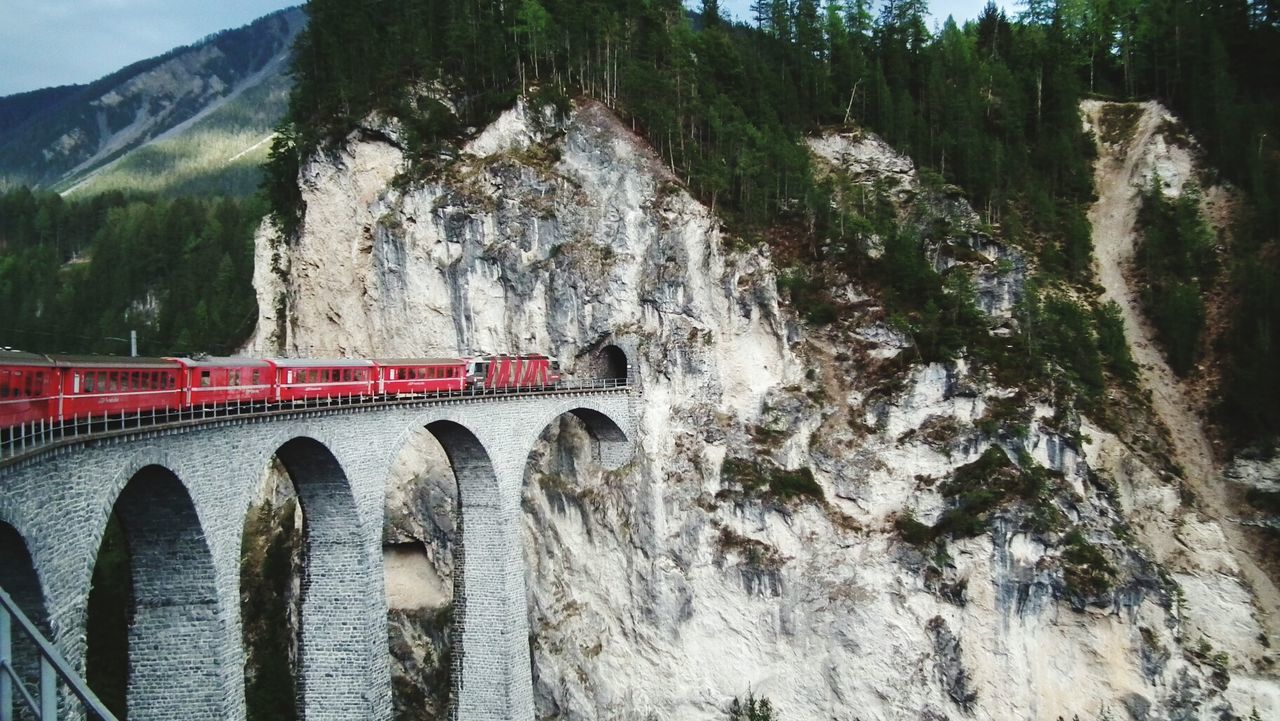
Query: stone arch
{"points": [[479, 510], [334, 603], [176, 629], [490, 668], [610, 445], [19, 579]]}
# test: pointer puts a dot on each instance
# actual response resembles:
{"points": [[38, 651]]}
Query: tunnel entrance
{"points": [[611, 363]]}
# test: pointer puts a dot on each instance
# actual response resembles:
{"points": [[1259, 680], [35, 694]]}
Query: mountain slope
{"points": [[695, 575], [1123, 168], [57, 137]]}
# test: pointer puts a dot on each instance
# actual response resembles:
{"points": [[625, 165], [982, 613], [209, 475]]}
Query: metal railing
{"points": [[32, 438], [42, 700]]}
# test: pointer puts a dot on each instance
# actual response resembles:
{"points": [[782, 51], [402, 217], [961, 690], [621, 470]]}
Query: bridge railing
{"points": [[30, 438], [42, 698]]}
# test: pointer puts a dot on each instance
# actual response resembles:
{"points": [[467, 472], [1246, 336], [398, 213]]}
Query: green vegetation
{"points": [[753, 709], [990, 107], [978, 488], [763, 478], [1176, 256], [107, 619], [424, 692], [756, 555], [220, 155], [1086, 571], [269, 564], [1112, 344], [78, 275]]}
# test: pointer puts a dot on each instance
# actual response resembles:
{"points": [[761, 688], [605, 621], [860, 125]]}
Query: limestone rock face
{"points": [[754, 545]]}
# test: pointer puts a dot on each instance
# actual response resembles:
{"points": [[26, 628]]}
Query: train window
{"points": [[205, 379], [257, 376], [113, 382], [135, 381]]}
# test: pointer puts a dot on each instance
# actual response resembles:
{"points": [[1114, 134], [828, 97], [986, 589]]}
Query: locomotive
{"points": [[37, 388]]}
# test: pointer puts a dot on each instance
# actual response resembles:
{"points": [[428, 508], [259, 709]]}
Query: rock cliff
{"points": [[762, 541]]}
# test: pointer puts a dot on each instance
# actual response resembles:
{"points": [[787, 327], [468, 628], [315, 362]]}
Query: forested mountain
{"points": [[231, 87], [992, 107], [77, 276], [157, 163]]}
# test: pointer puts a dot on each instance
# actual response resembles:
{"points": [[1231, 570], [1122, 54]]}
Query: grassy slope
{"points": [[220, 154]]}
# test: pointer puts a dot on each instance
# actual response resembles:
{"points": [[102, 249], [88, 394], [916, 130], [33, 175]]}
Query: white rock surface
{"points": [[660, 590]]}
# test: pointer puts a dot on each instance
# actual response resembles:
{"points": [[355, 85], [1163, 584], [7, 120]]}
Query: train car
{"points": [[298, 379], [213, 381], [512, 373], [398, 376], [28, 388], [100, 385]]}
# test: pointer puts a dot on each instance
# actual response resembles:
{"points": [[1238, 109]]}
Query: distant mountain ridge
{"points": [[228, 90]]}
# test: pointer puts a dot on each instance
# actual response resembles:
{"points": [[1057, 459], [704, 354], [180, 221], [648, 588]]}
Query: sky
{"points": [[59, 42]]}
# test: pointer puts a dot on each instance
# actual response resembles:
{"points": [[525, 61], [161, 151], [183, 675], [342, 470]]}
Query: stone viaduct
{"points": [[183, 494]]}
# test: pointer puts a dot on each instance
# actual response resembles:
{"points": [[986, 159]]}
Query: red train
{"points": [[54, 388]]}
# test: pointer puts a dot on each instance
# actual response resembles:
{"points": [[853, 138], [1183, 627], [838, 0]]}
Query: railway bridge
{"points": [[182, 491]]}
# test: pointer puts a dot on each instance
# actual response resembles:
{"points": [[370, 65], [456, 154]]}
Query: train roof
{"points": [[223, 362], [23, 358], [107, 361], [419, 361], [322, 363]]}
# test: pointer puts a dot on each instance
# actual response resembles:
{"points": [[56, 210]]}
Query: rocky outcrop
{"points": [[756, 544]]}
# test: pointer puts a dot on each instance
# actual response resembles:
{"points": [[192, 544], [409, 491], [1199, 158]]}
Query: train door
{"points": [[478, 373]]}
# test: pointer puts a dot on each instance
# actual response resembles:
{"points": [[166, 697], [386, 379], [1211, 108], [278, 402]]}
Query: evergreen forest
{"points": [[990, 106], [78, 276]]}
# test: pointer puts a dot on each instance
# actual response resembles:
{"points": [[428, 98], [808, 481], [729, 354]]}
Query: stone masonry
{"points": [[182, 497]]}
